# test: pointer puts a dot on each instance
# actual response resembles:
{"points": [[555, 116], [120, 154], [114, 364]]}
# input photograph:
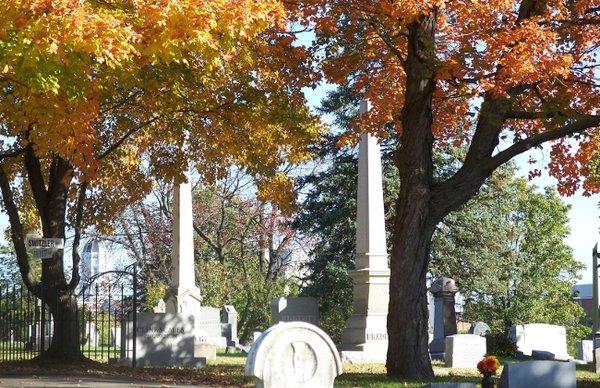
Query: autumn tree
{"points": [[93, 91], [243, 247], [465, 72]]}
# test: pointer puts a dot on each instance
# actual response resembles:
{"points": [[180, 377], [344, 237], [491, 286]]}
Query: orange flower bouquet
{"points": [[488, 367]]}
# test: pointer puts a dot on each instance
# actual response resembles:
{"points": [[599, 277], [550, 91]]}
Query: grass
{"points": [[228, 370]]}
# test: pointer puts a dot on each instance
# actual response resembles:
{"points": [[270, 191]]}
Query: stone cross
{"points": [[183, 294], [365, 337], [444, 324]]}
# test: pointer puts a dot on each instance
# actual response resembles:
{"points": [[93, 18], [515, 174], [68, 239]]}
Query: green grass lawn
{"points": [[228, 370], [373, 375]]}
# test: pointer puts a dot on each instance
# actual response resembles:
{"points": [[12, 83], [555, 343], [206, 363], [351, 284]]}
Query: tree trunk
{"points": [[408, 353], [408, 349], [66, 336]]}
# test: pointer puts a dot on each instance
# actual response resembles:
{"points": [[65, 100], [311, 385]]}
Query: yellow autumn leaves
{"points": [[118, 86]]}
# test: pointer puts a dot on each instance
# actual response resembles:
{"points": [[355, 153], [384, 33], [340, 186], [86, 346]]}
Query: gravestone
{"points": [[206, 351], [302, 309], [208, 327], [541, 337], [294, 355], [160, 307], [464, 350], [115, 336], [585, 350], [162, 340], [480, 328], [530, 374], [365, 337], [229, 317], [91, 334], [444, 318]]}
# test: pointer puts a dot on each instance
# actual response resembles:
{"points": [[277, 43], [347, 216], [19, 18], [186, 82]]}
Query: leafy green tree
{"points": [[506, 251]]}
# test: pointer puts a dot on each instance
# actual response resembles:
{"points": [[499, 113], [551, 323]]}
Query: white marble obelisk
{"points": [[365, 337], [183, 296]]}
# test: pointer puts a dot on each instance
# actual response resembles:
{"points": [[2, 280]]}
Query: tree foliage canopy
{"points": [[539, 59]]}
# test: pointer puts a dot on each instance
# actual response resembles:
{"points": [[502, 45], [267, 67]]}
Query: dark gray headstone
{"points": [[480, 328], [444, 317], [547, 374], [162, 340]]}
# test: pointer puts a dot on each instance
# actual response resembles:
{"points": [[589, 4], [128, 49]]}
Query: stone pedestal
{"points": [[365, 337], [444, 323]]}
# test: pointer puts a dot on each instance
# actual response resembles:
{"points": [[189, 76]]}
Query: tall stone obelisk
{"points": [[365, 337], [183, 296]]}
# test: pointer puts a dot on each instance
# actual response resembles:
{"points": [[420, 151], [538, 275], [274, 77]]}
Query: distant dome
{"points": [[95, 259], [92, 246]]}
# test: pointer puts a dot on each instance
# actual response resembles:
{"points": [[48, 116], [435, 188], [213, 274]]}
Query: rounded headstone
{"points": [[294, 355], [480, 328]]}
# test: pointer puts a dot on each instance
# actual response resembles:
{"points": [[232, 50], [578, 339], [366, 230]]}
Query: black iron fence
{"points": [[103, 305]]}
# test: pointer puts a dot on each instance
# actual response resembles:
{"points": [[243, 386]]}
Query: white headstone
{"points": [[464, 350], [365, 337], [585, 350], [208, 327], [183, 296], [541, 337], [115, 336], [294, 355], [304, 309], [160, 307]]}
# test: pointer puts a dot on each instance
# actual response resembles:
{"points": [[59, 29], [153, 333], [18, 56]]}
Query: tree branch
{"points": [[77, 227], [582, 124], [17, 234]]}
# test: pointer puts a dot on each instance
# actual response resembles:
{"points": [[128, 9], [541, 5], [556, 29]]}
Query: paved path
{"points": [[67, 381]]}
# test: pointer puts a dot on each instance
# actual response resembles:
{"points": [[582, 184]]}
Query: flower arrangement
{"points": [[488, 365]]}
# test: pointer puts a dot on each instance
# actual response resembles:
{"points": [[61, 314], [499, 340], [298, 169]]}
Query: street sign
{"points": [[44, 248]]}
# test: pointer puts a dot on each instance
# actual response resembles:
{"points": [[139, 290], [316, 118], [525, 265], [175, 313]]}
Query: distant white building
{"points": [[95, 259]]}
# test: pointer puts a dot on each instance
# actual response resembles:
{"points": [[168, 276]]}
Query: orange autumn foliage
{"points": [[542, 56]]}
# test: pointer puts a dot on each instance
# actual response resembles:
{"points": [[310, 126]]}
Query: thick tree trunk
{"points": [[408, 350], [66, 336], [408, 353]]}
